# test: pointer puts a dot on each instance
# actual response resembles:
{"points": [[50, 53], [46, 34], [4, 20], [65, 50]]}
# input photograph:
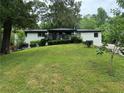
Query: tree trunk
{"points": [[111, 65], [111, 61], [6, 36]]}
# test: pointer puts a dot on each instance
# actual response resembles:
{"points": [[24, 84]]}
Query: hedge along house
{"points": [[64, 34]]}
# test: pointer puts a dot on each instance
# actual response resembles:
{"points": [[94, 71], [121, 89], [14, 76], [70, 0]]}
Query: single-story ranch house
{"points": [[64, 33]]}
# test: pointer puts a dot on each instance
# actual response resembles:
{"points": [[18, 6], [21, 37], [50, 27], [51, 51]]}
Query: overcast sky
{"points": [[91, 6]]}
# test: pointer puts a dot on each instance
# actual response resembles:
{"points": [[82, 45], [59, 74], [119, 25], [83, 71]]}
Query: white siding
{"points": [[90, 36], [32, 37]]}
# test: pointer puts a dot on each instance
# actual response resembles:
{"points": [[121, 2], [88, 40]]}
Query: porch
{"points": [[60, 34]]}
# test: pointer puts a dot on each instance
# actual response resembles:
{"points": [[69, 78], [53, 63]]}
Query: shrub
{"points": [[34, 43], [25, 45], [57, 42], [42, 42], [89, 43], [20, 38], [76, 40]]}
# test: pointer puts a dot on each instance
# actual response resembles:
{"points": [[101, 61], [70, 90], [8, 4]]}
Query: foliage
{"points": [[105, 35], [20, 38], [42, 42], [94, 21], [88, 22], [63, 13], [76, 39], [22, 13], [114, 33], [57, 42], [34, 43], [24, 45], [18, 13], [45, 25], [101, 16], [116, 12], [120, 3]]}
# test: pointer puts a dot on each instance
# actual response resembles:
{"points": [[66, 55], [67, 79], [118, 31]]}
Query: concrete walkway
{"points": [[112, 46]]}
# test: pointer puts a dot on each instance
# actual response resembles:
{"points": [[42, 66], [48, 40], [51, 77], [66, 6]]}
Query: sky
{"points": [[91, 6]]}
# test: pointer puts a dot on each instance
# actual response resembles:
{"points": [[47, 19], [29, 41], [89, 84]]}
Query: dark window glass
{"points": [[95, 34], [26, 34], [39, 34], [43, 34]]}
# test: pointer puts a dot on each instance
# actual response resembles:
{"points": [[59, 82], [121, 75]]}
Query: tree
{"points": [[120, 3], [101, 16], [114, 33], [88, 22], [16, 13], [45, 25], [63, 13], [116, 12]]}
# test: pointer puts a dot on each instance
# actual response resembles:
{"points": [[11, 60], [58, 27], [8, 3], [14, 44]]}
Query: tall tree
{"points": [[18, 13], [120, 3], [88, 22], [63, 13], [101, 16], [114, 33]]}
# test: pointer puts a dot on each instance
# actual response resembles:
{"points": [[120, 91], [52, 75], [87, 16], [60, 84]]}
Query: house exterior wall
{"points": [[32, 37], [90, 36], [85, 36]]}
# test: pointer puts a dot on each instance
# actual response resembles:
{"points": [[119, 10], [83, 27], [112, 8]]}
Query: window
{"points": [[95, 34], [39, 34], [26, 34]]}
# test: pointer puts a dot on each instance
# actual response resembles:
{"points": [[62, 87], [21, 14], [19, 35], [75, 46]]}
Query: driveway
{"points": [[111, 47]]}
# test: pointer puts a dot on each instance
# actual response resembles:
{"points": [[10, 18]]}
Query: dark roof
{"points": [[87, 30], [35, 30], [61, 29]]}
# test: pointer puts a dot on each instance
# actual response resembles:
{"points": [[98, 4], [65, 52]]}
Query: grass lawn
{"points": [[60, 69]]}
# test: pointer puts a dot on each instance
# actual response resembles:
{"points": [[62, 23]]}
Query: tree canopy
{"points": [[18, 13], [88, 22], [120, 3], [101, 16], [63, 13]]}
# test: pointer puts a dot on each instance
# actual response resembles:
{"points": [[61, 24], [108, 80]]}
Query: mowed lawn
{"points": [[69, 68]]}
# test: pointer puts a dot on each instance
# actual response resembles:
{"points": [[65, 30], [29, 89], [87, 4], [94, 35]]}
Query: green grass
{"points": [[60, 69]]}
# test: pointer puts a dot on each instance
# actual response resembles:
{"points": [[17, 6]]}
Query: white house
{"points": [[90, 35], [64, 33], [35, 34]]}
